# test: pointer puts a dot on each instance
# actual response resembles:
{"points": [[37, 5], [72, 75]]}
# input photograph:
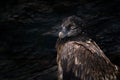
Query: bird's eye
{"points": [[72, 26], [69, 27]]}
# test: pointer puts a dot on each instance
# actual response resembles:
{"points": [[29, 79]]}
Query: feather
{"points": [[84, 61], [79, 57]]}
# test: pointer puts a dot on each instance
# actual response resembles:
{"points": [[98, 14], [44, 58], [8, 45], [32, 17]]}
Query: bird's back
{"points": [[83, 60]]}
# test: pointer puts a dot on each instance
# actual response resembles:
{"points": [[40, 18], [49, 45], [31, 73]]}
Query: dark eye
{"points": [[72, 26]]}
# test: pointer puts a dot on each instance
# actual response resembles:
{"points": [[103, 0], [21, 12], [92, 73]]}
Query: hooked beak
{"points": [[61, 35]]}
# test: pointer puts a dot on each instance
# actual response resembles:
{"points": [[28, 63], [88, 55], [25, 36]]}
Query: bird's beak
{"points": [[61, 35]]}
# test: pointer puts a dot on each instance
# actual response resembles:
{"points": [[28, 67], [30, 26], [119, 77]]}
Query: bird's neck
{"points": [[60, 42]]}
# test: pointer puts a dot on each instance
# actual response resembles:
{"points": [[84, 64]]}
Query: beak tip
{"points": [[61, 35]]}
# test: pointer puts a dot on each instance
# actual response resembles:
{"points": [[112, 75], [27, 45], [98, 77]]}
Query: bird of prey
{"points": [[79, 57]]}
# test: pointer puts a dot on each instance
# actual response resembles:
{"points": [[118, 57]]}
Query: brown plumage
{"points": [[79, 57]]}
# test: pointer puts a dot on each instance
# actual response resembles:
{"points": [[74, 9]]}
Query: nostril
{"points": [[63, 28]]}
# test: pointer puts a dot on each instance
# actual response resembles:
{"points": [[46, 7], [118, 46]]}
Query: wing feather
{"points": [[85, 61]]}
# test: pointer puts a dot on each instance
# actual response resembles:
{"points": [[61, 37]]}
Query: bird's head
{"points": [[71, 26]]}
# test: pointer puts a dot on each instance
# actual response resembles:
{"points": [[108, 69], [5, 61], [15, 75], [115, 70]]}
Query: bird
{"points": [[79, 57]]}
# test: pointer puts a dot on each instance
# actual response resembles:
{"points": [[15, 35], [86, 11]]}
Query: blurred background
{"points": [[28, 33]]}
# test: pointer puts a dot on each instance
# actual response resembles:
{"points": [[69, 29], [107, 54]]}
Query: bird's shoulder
{"points": [[88, 45]]}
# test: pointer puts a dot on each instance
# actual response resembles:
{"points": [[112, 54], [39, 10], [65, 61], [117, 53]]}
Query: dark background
{"points": [[28, 33]]}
